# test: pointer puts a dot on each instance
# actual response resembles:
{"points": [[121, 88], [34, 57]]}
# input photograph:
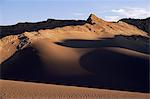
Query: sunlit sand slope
{"points": [[24, 90]]}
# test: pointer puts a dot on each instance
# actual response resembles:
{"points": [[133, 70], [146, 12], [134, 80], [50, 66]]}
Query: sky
{"points": [[14, 11]]}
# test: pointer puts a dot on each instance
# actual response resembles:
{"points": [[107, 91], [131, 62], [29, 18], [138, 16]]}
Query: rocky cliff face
{"points": [[143, 24]]}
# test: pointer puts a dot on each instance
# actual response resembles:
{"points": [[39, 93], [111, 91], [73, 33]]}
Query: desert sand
{"points": [[104, 56], [26, 90]]}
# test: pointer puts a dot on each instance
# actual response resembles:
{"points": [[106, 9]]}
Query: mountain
{"points": [[143, 24], [86, 53], [52, 23], [28, 26]]}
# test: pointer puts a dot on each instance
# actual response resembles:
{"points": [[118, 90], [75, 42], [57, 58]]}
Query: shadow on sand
{"points": [[23, 65], [136, 43], [110, 69], [117, 71]]}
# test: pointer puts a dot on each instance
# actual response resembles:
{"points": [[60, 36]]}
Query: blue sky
{"points": [[14, 11]]}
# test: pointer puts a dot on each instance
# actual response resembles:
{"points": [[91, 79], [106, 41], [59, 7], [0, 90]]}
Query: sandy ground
{"points": [[26, 90]]}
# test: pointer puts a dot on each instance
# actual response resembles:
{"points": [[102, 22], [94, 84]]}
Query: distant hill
{"points": [[29, 27], [143, 24]]}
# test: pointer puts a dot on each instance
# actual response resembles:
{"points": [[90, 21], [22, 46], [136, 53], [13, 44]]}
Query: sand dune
{"points": [[24, 90], [96, 54], [96, 67]]}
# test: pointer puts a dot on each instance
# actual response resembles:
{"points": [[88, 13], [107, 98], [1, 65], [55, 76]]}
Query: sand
{"points": [[26, 90], [45, 61], [97, 54]]}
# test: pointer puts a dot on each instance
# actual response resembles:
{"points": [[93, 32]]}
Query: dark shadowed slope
{"points": [[23, 65], [117, 70]]}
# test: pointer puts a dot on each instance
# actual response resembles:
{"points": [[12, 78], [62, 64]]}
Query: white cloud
{"points": [[132, 12], [112, 18]]}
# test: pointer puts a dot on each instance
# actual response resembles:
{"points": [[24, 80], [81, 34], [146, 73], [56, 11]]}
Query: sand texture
{"points": [[25, 90]]}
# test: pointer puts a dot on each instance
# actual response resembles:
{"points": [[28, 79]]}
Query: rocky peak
{"points": [[93, 19]]}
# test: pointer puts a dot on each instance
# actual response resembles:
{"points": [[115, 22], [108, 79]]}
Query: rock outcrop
{"points": [[93, 19]]}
